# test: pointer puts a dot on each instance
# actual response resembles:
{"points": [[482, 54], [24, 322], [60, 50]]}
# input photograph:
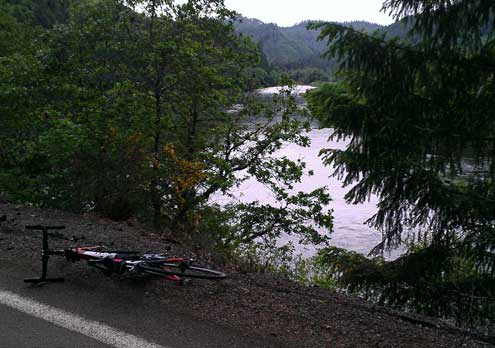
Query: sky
{"points": [[289, 12]]}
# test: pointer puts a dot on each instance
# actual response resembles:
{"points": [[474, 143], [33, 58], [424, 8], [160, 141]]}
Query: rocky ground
{"points": [[259, 305]]}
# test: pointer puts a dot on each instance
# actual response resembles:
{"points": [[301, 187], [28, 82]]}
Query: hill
{"points": [[295, 46], [296, 50]]}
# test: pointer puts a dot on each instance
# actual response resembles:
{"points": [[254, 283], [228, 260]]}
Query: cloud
{"points": [[289, 12]]}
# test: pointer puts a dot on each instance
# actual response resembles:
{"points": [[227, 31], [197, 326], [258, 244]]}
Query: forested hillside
{"points": [[296, 49]]}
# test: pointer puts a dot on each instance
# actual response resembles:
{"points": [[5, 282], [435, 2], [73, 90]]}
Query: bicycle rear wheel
{"points": [[174, 269]]}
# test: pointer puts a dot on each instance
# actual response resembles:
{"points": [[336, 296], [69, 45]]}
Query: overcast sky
{"points": [[289, 12]]}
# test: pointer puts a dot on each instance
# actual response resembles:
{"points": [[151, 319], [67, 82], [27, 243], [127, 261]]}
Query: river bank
{"points": [[260, 306]]}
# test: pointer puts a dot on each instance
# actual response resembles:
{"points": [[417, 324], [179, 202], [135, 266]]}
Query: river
{"points": [[350, 231]]}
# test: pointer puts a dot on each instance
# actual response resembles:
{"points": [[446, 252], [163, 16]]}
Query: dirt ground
{"points": [[264, 305]]}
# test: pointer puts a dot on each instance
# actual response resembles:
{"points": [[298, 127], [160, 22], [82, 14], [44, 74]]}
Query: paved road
{"points": [[127, 309], [19, 330]]}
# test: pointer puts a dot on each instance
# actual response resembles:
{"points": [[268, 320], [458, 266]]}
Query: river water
{"points": [[350, 231]]}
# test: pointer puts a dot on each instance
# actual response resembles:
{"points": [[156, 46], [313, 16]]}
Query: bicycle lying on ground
{"points": [[119, 262]]}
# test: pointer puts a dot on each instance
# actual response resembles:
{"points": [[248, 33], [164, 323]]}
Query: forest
{"points": [[147, 109], [297, 52]]}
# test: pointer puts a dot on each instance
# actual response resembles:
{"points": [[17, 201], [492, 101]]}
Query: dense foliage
{"points": [[126, 109], [420, 119]]}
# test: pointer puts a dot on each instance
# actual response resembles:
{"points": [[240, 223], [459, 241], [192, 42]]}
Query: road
{"points": [[77, 313], [23, 330]]}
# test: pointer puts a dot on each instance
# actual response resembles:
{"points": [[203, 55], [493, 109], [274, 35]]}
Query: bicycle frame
{"points": [[107, 261], [119, 261]]}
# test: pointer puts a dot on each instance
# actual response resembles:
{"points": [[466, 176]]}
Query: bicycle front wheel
{"points": [[172, 269]]}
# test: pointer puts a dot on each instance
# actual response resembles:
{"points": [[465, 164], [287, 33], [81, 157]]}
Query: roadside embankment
{"points": [[261, 307]]}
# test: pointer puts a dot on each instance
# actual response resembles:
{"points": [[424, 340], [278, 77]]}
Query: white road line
{"points": [[92, 329]]}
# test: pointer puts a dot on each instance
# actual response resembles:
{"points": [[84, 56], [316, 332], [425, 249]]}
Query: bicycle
{"points": [[119, 262]]}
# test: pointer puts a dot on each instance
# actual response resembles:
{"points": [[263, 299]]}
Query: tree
{"points": [[420, 119], [43, 13], [19, 73]]}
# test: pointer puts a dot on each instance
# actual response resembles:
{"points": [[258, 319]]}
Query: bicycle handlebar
{"points": [[42, 228], [45, 254]]}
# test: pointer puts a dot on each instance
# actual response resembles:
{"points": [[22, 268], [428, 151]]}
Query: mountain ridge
{"points": [[297, 48]]}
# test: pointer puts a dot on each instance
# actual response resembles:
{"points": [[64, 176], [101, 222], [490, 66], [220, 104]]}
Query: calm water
{"points": [[350, 231]]}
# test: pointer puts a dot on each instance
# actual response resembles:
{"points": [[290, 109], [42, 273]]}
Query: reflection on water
{"points": [[350, 232]]}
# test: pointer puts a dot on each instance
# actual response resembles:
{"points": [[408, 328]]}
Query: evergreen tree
{"points": [[420, 117]]}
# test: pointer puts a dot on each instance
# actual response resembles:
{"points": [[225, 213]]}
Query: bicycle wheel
{"points": [[174, 269]]}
